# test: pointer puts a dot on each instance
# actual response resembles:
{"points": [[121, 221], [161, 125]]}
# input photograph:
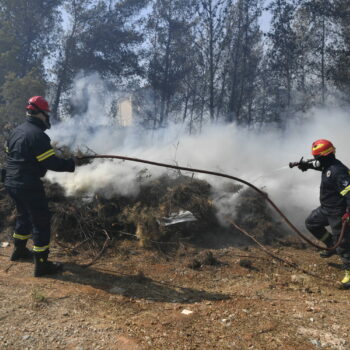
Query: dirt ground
{"points": [[134, 299]]}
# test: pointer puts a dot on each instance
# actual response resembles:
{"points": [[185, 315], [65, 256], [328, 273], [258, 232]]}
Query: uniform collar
{"points": [[36, 121], [328, 161]]}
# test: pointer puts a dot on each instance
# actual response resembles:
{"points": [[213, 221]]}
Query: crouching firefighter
{"points": [[335, 203], [29, 156]]}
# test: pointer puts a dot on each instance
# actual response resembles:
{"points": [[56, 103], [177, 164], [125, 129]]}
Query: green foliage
{"points": [[9, 50], [101, 38], [27, 28], [188, 60], [15, 93], [340, 70], [27, 31], [170, 61], [244, 67]]}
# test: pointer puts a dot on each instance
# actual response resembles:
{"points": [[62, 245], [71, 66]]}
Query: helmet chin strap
{"points": [[47, 121]]}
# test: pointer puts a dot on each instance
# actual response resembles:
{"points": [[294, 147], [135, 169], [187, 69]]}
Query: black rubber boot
{"points": [[21, 252], [43, 266], [325, 254], [329, 243], [346, 280]]}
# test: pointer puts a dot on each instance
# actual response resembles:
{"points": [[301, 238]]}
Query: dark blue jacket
{"points": [[30, 155], [335, 187]]}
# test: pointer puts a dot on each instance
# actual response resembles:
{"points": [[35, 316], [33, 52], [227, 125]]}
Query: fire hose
{"points": [[344, 226]]}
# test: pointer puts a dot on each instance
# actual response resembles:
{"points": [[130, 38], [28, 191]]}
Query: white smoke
{"points": [[258, 157]]}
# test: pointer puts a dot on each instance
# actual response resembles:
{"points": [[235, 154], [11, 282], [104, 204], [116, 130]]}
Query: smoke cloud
{"points": [[258, 157]]}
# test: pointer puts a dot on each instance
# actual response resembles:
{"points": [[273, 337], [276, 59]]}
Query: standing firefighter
{"points": [[29, 156], [335, 203]]}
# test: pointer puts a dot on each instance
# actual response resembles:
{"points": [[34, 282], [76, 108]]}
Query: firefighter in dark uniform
{"points": [[335, 203], [29, 156]]}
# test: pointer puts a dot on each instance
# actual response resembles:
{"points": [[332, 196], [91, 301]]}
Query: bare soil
{"points": [[134, 299]]}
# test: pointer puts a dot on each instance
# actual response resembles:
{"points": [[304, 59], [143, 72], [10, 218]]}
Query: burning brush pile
{"points": [[166, 211], [7, 213]]}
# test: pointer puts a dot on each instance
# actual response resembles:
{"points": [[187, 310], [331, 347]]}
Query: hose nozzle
{"points": [[301, 161]]}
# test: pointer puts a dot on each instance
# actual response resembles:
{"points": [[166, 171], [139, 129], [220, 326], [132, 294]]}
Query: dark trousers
{"points": [[316, 223], [33, 215]]}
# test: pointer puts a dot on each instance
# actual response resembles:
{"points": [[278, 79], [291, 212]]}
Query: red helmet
{"points": [[38, 103], [322, 148]]}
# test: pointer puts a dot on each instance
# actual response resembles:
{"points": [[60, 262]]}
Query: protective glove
{"points": [[79, 162], [346, 217], [303, 166]]}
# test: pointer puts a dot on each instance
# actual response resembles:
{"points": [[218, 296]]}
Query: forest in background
{"points": [[182, 61]]}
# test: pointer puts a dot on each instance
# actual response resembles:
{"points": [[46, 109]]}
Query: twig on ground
{"points": [[108, 239], [80, 244], [8, 267]]}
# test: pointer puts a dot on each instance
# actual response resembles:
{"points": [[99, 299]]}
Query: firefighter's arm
{"points": [[45, 155], [305, 164], [343, 184]]}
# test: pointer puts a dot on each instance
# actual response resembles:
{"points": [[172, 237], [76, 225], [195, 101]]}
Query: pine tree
{"points": [[244, 58], [169, 30], [27, 31], [282, 58], [99, 38], [340, 54]]}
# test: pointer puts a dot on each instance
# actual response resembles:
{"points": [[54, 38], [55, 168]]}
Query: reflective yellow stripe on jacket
{"points": [[345, 191], [45, 155]]}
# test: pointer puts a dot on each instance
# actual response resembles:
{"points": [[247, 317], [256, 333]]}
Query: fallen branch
{"points": [[98, 256], [291, 264]]}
